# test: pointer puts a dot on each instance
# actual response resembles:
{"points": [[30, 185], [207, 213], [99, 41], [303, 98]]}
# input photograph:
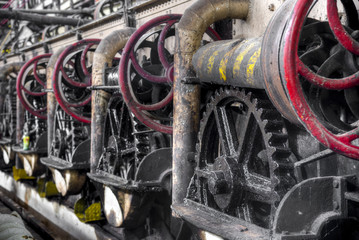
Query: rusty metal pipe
{"points": [[191, 28], [9, 68], [51, 100], [231, 62], [103, 56], [40, 19]]}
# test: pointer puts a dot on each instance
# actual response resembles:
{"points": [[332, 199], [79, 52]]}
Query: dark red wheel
{"points": [[335, 121], [146, 72], [72, 76], [31, 83]]}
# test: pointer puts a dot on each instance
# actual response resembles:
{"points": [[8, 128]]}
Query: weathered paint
{"points": [[250, 67], [239, 59]]}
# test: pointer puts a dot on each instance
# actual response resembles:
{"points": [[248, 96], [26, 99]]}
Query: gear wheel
{"points": [[126, 142], [243, 160]]}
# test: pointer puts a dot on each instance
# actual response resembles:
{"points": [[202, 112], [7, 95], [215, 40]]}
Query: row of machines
{"points": [[176, 132]]}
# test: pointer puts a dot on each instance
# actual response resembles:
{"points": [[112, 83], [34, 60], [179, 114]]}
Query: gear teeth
{"points": [[277, 138], [268, 113], [281, 152], [273, 125], [274, 135]]}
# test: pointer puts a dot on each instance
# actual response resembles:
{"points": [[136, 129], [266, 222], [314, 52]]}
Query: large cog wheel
{"points": [[243, 160]]}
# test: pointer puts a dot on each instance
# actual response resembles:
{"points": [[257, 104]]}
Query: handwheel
{"points": [[146, 72], [318, 71], [30, 84], [72, 76]]}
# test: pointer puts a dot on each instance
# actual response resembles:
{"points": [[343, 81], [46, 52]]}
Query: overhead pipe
{"points": [[103, 56], [51, 100], [190, 30], [40, 19]]}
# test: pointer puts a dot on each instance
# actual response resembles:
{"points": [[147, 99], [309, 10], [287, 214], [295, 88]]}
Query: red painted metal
{"points": [[23, 93], [346, 41], [341, 35], [340, 143], [129, 58], [69, 107]]}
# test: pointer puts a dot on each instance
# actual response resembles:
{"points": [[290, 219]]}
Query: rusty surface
{"points": [[230, 62], [191, 28], [9, 68], [51, 101], [68, 182], [104, 54], [270, 65]]}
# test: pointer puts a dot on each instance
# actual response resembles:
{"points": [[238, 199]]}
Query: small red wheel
{"points": [[31, 83], [146, 72], [72, 76], [334, 122]]}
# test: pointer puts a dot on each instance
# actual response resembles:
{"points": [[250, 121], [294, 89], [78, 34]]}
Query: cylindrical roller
{"points": [[231, 62]]}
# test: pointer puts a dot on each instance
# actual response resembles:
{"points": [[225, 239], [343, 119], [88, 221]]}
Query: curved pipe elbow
{"points": [[106, 51], [197, 18]]}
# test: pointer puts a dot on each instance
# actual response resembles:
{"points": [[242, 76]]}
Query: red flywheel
{"points": [[31, 83], [321, 74]]}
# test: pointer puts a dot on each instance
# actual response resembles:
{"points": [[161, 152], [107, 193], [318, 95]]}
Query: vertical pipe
{"points": [[103, 56], [191, 28], [51, 100]]}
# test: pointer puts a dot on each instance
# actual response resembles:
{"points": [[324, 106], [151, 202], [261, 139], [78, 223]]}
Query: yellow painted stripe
{"points": [[250, 67], [211, 62], [223, 64], [239, 59]]}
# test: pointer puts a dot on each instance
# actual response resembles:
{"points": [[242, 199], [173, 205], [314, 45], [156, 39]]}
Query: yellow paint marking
{"points": [[211, 62], [250, 67], [223, 65], [239, 59]]}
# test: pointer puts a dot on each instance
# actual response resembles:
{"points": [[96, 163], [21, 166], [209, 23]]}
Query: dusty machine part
{"points": [[103, 58], [69, 156], [231, 63], [127, 177], [333, 214], [69, 153], [191, 28], [51, 100], [243, 158]]}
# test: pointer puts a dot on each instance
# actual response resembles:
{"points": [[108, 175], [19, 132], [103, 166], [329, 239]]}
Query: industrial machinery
{"points": [[158, 127], [8, 112], [31, 143], [69, 152]]}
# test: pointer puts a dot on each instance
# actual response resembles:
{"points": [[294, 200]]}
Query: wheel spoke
{"points": [[226, 130]]}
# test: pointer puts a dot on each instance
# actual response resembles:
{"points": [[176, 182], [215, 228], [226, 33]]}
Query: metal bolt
{"points": [[271, 7], [217, 183]]}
